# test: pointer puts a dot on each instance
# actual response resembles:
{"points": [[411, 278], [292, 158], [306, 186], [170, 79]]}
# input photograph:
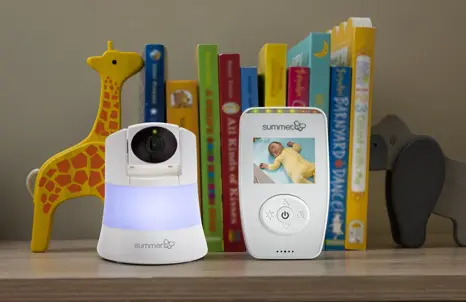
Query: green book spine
{"points": [[209, 130]]}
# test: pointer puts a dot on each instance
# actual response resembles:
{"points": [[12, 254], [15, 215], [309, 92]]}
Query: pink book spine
{"points": [[298, 86]]}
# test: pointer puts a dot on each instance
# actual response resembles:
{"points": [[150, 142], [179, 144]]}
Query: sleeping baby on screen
{"points": [[297, 168]]}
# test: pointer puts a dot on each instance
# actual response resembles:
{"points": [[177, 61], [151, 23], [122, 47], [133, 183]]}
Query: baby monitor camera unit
{"points": [[151, 211], [284, 181]]}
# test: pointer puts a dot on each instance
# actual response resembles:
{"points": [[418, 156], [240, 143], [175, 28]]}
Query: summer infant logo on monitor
{"points": [[297, 125], [284, 160], [166, 244]]}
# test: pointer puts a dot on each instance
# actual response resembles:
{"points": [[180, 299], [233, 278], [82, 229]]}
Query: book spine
{"points": [[209, 130], [362, 63], [298, 86], [230, 104], [153, 107], [183, 110], [339, 118], [272, 71], [319, 63], [249, 88]]}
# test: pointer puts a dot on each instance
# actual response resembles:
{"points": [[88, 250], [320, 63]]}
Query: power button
{"points": [[284, 214]]}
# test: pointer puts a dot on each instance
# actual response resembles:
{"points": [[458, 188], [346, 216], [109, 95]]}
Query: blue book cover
{"points": [[339, 119], [152, 89], [249, 88], [314, 52]]}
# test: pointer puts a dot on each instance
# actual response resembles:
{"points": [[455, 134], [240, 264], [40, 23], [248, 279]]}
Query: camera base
{"points": [[152, 247]]}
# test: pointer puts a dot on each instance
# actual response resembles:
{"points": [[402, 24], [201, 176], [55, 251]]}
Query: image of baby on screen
{"points": [[284, 161]]}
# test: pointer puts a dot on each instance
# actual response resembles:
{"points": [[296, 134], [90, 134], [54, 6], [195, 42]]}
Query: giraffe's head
{"points": [[119, 66]]}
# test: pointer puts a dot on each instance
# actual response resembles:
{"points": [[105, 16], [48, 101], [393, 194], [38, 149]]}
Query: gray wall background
{"points": [[49, 96]]}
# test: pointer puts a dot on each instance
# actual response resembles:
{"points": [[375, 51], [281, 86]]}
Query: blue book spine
{"points": [[249, 88], [153, 84], [314, 52], [339, 119]]}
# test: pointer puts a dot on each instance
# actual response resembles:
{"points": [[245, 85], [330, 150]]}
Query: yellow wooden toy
{"points": [[80, 170]]}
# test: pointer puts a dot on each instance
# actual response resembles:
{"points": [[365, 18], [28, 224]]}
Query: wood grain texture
{"points": [[72, 271]]}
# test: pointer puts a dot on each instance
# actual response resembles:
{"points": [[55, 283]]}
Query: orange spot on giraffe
{"points": [[91, 150], [113, 125], [63, 166], [50, 186], [114, 97], [42, 181], [79, 161], [51, 172], [116, 105], [53, 197], [58, 189], [80, 177], [102, 148], [104, 115], [47, 208], [114, 114], [97, 162], [43, 198], [106, 95], [111, 87], [105, 133], [94, 178], [101, 190], [99, 127], [106, 104], [62, 180], [74, 188]]}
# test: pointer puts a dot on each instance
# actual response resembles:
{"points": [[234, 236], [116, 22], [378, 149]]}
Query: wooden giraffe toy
{"points": [[80, 170]]}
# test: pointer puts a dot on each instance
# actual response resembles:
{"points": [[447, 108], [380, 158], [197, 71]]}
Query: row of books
{"points": [[330, 70]]}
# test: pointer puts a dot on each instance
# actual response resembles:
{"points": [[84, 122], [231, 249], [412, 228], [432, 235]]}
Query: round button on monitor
{"points": [[284, 214]]}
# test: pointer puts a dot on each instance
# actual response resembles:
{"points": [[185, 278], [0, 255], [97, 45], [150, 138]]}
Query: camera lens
{"points": [[154, 145]]}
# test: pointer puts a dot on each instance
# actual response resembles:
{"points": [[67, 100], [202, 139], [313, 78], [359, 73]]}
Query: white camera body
{"points": [[151, 209], [284, 181]]}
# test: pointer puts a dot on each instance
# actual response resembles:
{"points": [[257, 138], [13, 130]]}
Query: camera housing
{"points": [[151, 154], [151, 209]]}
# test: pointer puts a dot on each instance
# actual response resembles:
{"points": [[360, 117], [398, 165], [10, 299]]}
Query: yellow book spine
{"points": [[183, 110], [272, 70], [361, 50]]}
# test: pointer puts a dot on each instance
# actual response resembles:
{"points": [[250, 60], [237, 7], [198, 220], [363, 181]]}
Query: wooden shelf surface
{"points": [[72, 270]]}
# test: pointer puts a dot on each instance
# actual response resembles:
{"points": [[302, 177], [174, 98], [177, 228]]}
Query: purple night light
{"points": [[151, 208]]}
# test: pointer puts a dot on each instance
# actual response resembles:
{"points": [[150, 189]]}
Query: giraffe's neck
{"points": [[108, 118]]}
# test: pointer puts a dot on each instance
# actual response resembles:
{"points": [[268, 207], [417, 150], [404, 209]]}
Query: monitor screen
{"points": [[284, 160]]}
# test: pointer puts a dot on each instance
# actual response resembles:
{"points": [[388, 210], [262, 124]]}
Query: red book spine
{"points": [[230, 112], [298, 86]]}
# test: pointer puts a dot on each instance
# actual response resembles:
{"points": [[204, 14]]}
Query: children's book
{"points": [[209, 131], [152, 84], [298, 86], [183, 110], [314, 52], [249, 88], [272, 75], [230, 105], [339, 118], [354, 46]]}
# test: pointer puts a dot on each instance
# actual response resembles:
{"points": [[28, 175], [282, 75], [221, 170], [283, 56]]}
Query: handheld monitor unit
{"points": [[284, 181]]}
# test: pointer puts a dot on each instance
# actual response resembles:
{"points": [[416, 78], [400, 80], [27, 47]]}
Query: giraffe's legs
{"points": [[41, 229]]}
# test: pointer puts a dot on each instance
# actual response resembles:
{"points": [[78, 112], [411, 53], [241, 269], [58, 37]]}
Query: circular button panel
{"points": [[284, 214]]}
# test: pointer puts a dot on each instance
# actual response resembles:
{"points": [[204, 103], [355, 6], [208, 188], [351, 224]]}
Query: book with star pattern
{"points": [[314, 52]]}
